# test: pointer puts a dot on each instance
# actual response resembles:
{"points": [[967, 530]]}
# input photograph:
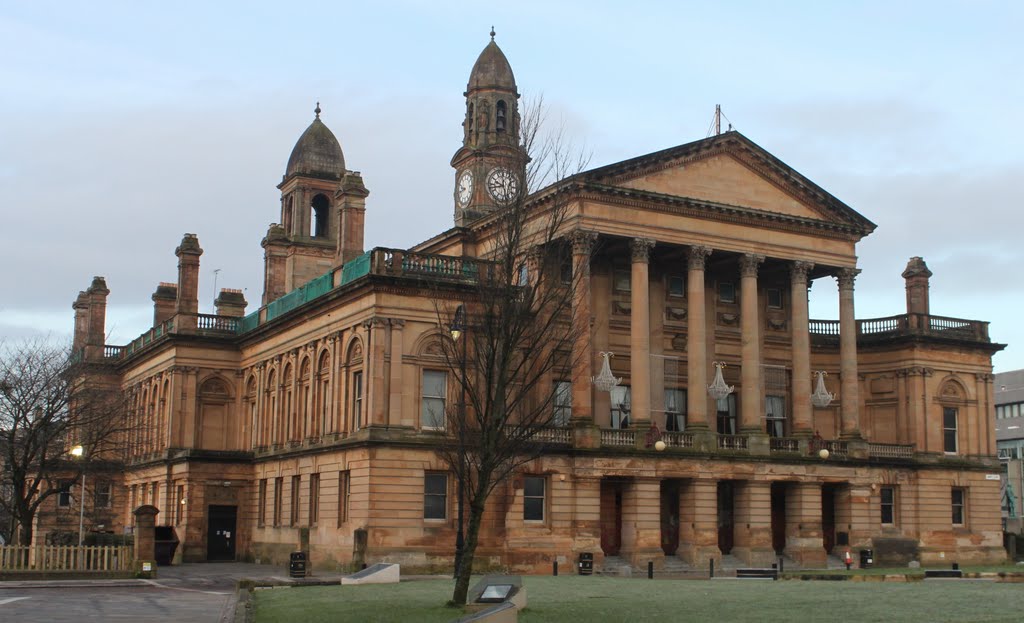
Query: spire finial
{"points": [[317, 110], [492, 33]]}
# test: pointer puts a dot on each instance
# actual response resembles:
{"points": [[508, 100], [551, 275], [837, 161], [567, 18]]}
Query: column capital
{"points": [[583, 241], [749, 263], [697, 257], [799, 270], [846, 276], [641, 249]]}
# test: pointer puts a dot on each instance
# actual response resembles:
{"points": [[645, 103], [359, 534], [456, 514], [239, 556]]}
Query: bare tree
{"points": [[513, 334], [48, 404]]}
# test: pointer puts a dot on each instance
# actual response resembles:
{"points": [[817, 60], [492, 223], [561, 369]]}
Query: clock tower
{"points": [[490, 166]]}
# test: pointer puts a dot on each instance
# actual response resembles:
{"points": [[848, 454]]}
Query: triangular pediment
{"points": [[730, 170]]}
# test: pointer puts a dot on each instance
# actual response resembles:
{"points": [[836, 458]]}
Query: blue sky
{"points": [[125, 125]]}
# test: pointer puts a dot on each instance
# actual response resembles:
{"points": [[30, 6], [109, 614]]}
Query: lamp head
{"points": [[659, 445], [77, 451], [823, 453], [456, 333]]}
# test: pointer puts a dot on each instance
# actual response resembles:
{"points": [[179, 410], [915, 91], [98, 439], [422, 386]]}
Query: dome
{"points": [[317, 153], [492, 70]]}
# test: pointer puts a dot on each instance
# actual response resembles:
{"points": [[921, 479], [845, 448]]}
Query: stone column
{"points": [[640, 335], [804, 542], [753, 523], [641, 523], [582, 352], [145, 540], [751, 402], [799, 325], [849, 406], [696, 342], [698, 523]]}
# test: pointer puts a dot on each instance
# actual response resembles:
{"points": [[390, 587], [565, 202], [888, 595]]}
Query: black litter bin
{"points": [[586, 564], [297, 565], [867, 558], [165, 541]]}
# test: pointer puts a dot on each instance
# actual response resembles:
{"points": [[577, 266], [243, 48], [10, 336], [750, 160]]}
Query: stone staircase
{"points": [[616, 566]]}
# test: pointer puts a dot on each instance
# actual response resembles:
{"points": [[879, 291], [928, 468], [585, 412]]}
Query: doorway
{"points": [[828, 517], [611, 517], [221, 532], [670, 516], [725, 516], [779, 517]]}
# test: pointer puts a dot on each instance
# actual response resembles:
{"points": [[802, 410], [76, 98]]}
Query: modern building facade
{"points": [[305, 423]]}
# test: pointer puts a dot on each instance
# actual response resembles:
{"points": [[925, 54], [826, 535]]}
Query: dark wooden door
{"points": [[725, 512], [221, 532], [611, 518], [828, 518], [669, 516], [778, 517]]}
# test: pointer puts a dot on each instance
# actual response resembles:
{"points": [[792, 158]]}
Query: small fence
{"points": [[65, 558]]}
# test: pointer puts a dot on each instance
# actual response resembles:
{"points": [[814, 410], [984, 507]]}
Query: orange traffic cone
{"points": [[847, 560]]}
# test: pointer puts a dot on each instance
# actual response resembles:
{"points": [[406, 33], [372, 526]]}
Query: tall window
{"points": [[675, 410], [620, 406], [774, 298], [278, 494], [563, 403], [435, 496], [357, 400], [959, 506], [179, 504], [261, 504], [103, 494], [533, 498], [314, 499], [499, 121], [432, 403], [888, 506], [726, 415], [344, 488], [676, 286], [949, 415], [726, 292], [775, 415], [294, 507], [64, 497]]}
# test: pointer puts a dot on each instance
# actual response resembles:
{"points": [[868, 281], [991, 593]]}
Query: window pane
{"points": [[949, 417], [726, 292], [433, 507], [436, 484], [887, 495], [676, 286], [533, 486], [533, 509], [949, 441], [434, 383]]}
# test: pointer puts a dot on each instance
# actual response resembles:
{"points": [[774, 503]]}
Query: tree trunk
{"points": [[476, 515]]}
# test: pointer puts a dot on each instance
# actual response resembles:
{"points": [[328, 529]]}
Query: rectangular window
{"points": [[357, 400], [344, 487], [64, 497], [563, 403], [432, 404], [949, 415], [675, 410], [565, 270], [103, 494], [959, 506], [261, 504], [620, 406], [314, 499], [620, 280], [435, 496], [524, 275], [179, 504], [156, 494], [294, 507], [676, 286], [775, 416], [774, 296], [726, 410], [533, 498], [278, 494], [726, 292], [888, 506]]}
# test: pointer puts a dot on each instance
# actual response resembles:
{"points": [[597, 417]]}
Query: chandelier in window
{"points": [[605, 381], [821, 398], [718, 389]]}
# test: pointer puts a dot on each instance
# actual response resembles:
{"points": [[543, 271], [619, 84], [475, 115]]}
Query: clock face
{"points": [[464, 188], [502, 185]]}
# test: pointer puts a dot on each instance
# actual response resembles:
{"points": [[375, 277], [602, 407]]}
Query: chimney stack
{"points": [[96, 318], [81, 307], [230, 303], [187, 306], [916, 276], [164, 301]]}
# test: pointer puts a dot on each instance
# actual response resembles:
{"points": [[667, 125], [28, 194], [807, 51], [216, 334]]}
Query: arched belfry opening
{"points": [[320, 207], [499, 121]]}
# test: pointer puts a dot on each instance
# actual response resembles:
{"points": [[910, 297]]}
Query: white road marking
{"points": [[177, 588], [10, 599]]}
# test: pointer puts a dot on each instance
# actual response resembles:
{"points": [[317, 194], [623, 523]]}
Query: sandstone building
{"points": [[302, 423]]}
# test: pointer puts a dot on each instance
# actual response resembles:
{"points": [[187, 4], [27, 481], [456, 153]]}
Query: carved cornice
{"points": [[846, 276], [749, 263], [697, 257], [640, 249], [583, 241]]}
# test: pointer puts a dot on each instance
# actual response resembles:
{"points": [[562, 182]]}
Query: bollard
{"points": [[782, 565], [712, 562], [554, 568], [650, 570]]}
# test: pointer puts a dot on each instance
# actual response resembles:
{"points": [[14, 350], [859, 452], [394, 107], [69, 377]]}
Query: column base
{"points": [[755, 556], [858, 448], [808, 556], [585, 434], [758, 444], [639, 558], [704, 440], [697, 556]]}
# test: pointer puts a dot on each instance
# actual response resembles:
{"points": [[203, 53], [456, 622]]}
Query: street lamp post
{"points": [[77, 452], [457, 329]]}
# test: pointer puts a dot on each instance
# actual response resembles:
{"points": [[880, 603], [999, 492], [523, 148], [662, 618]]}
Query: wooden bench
{"points": [[943, 573], [757, 574]]}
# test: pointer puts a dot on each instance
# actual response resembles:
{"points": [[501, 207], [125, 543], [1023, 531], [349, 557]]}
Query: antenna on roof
{"points": [[716, 122]]}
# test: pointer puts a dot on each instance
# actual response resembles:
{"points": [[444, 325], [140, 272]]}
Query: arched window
{"points": [[251, 412], [499, 121], [302, 426], [321, 400], [469, 120], [321, 209], [287, 216], [267, 430], [289, 404], [354, 399]]}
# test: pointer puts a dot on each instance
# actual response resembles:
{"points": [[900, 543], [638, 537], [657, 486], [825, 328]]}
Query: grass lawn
{"points": [[596, 598]]}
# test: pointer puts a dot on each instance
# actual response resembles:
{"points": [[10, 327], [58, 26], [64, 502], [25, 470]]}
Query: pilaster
{"points": [[698, 522], [641, 523], [804, 539], [753, 527]]}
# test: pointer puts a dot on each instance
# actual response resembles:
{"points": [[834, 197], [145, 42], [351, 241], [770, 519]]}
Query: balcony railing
{"points": [[677, 440], [890, 451], [877, 329], [617, 437], [211, 322], [553, 434], [112, 352], [784, 444], [836, 448], [732, 442]]}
